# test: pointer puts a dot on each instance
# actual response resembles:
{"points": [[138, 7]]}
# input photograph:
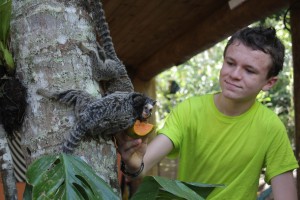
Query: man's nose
{"points": [[236, 73]]}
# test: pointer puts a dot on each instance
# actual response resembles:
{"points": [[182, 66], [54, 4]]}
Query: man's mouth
{"points": [[232, 84]]}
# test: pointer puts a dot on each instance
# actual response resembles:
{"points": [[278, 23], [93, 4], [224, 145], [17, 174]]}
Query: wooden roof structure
{"points": [[151, 36]]}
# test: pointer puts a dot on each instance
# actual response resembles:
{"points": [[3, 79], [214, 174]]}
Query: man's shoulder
{"points": [[266, 111], [267, 116]]}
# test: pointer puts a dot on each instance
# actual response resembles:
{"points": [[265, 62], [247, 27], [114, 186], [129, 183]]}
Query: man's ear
{"points": [[270, 83]]}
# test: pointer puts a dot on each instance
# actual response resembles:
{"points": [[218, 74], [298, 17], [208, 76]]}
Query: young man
{"points": [[227, 137]]}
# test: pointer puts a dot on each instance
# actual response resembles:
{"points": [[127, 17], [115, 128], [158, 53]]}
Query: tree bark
{"points": [[6, 167], [44, 39]]}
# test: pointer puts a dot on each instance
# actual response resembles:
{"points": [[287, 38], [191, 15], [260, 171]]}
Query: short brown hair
{"points": [[265, 40]]}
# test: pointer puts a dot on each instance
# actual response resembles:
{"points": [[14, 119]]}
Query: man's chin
{"points": [[232, 95]]}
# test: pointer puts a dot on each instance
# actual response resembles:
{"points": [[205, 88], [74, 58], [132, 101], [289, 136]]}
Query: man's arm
{"points": [[284, 187], [158, 148]]}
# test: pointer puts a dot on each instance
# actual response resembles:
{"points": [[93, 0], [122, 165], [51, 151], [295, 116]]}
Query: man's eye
{"points": [[250, 71], [229, 63]]}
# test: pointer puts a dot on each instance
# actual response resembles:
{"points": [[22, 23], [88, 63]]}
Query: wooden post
{"points": [[295, 31]]}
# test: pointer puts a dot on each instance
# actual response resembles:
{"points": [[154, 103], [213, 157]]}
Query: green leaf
{"points": [[7, 57], [5, 14], [66, 177], [155, 187], [202, 189]]}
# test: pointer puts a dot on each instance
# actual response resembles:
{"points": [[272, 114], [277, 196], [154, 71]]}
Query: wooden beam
{"points": [[220, 25], [295, 29]]}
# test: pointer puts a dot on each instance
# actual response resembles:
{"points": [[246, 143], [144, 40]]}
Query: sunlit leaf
{"points": [[7, 58]]}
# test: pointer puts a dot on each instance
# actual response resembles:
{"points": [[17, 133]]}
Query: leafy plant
{"points": [[65, 177], [6, 58], [156, 188], [68, 177]]}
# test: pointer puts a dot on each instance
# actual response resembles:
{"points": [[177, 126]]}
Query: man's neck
{"points": [[230, 107]]}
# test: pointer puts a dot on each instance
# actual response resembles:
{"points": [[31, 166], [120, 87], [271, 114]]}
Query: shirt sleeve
{"points": [[174, 125], [280, 157]]}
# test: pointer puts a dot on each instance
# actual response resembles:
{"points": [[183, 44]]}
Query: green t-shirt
{"points": [[217, 149]]}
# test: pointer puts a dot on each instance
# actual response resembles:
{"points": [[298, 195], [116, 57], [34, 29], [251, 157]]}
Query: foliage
{"points": [[6, 58], [65, 177], [155, 187], [68, 177]]}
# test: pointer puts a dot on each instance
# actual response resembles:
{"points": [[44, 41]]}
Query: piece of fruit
{"points": [[140, 129]]}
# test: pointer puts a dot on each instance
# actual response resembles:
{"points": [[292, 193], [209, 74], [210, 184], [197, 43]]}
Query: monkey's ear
{"points": [[154, 102], [137, 97]]}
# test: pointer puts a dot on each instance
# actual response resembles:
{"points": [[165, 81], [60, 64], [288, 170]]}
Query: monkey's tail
{"points": [[103, 29]]}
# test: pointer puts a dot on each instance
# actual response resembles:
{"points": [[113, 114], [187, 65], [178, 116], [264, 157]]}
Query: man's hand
{"points": [[132, 151]]}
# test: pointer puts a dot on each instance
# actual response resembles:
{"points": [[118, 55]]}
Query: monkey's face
{"points": [[143, 105], [147, 109]]}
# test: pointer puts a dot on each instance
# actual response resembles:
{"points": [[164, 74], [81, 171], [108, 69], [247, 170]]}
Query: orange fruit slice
{"points": [[140, 129]]}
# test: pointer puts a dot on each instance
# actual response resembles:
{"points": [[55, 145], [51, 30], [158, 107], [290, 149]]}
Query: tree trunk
{"points": [[6, 167], [44, 39]]}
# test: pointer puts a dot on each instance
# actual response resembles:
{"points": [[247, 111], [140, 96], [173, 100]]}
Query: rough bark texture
{"points": [[45, 37], [6, 167]]}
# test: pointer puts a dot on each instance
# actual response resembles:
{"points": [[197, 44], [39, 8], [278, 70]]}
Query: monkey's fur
{"points": [[108, 115], [109, 71]]}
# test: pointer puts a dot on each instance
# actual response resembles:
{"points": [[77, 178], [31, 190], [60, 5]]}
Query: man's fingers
{"points": [[122, 138], [145, 140], [133, 144], [124, 146]]}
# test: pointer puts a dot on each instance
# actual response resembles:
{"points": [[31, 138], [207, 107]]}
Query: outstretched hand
{"points": [[132, 150]]}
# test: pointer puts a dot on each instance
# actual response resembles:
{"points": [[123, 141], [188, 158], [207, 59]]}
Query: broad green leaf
{"points": [[203, 189], [65, 177], [155, 187], [5, 14], [149, 189]]}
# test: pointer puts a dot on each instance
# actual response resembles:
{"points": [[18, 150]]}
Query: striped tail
{"points": [[103, 29]]}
